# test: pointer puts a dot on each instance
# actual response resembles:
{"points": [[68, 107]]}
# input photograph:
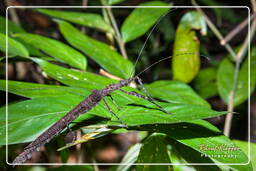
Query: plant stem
{"points": [[118, 37], [215, 30], [239, 58], [236, 30]]}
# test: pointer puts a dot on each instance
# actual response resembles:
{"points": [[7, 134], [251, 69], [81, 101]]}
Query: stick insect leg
{"points": [[114, 102], [145, 98], [110, 110]]}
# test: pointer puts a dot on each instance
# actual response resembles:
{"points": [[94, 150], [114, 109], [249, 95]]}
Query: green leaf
{"points": [[15, 48], [132, 115], [154, 150], [130, 157], [57, 49], [12, 27], [85, 19], [98, 51], [141, 19], [34, 90], [73, 78], [24, 117], [175, 92], [225, 79], [186, 59], [86, 80], [113, 2], [244, 147], [205, 82], [181, 152], [199, 135]]}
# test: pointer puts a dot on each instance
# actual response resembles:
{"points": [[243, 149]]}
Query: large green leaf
{"points": [[34, 90], [175, 92], [132, 115], [186, 59], [245, 148], [98, 51], [12, 27], [15, 48], [225, 79], [154, 150], [141, 19], [130, 157], [85, 80], [55, 48], [72, 77], [85, 19], [24, 117], [199, 135], [182, 154]]}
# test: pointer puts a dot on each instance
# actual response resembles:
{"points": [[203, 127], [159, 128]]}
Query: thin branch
{"points": [[118, 37], [85, 3], [235, 31], [240, 55], [215, 30], [13, 13], [253, 2], [106, 74]]}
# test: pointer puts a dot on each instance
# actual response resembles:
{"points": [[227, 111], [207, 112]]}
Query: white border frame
{"points": [[67, 164]]}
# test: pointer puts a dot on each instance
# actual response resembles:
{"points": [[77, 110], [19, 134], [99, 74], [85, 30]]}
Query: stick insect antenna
{"points": [[151, 31], [169, 57]]}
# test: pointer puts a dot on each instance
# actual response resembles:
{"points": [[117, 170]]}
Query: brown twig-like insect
{"points": [[91, 101]]}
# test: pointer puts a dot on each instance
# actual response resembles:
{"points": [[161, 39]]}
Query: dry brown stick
{"points": [[235, 31]]}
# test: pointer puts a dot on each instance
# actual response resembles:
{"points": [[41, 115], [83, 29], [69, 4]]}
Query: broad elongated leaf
{"points": [[182, 154], [86, 19], [199, 135], [141, 19], [186, 59], [175, 92], [85, 80], [54, 48], [205, 83], [24, 117], [130, 157], [132, 115], [98, 51], [154, 150], [225, 80], [244, 145], [12, 27], [15, 48], [73, 78], [34, 90]]}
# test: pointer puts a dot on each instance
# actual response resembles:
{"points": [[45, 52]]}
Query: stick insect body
{"points": [[91, 101]]}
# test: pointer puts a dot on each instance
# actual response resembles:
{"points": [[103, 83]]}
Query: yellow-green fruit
{"points": [[186, 59]]}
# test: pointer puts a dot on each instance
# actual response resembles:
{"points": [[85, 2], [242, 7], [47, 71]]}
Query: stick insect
{"points": [[90, 102]]}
